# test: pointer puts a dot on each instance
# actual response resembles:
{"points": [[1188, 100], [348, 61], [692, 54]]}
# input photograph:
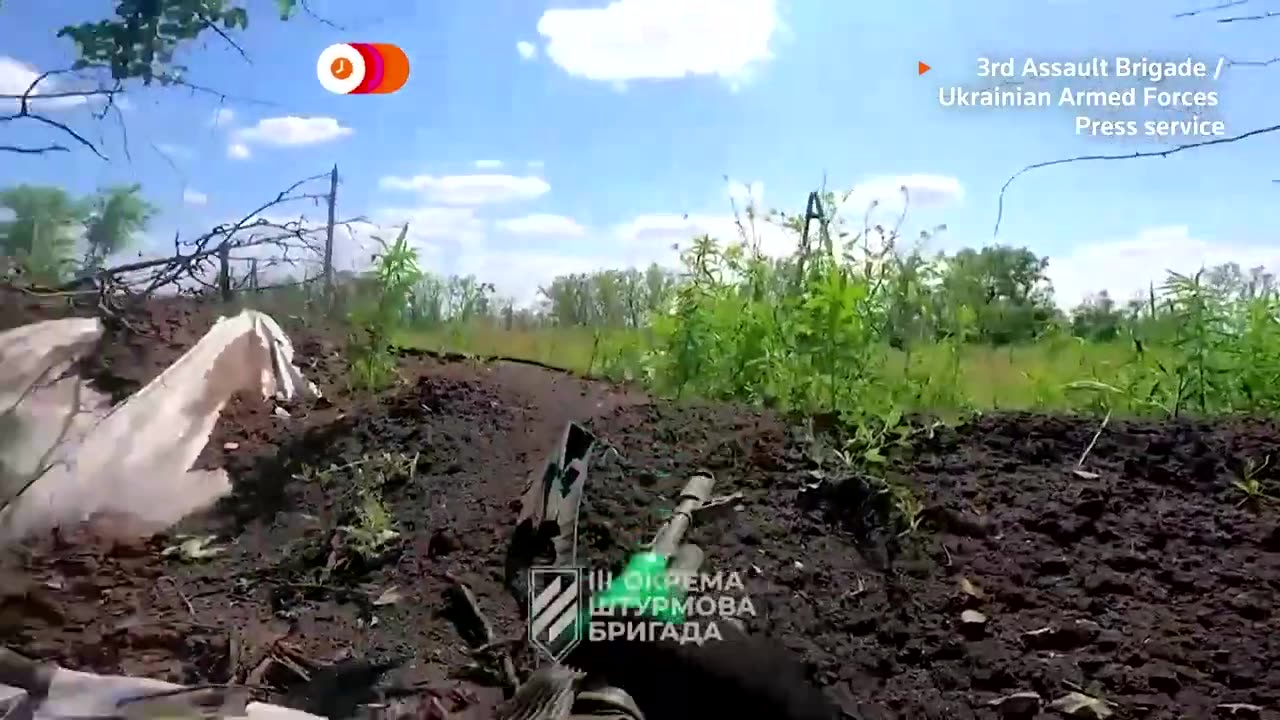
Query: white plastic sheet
{"points": [[133, 459], [73, 695]]}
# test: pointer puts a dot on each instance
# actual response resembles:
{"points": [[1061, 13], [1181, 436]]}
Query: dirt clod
{"points": [[1018, 705]]}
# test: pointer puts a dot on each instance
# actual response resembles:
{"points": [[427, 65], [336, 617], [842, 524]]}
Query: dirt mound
{"points": [[91, 599], [1142, 580], [1155, 586]]}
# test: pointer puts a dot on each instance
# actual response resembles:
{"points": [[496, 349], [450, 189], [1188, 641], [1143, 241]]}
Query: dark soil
{"points": [[1157, 588]]}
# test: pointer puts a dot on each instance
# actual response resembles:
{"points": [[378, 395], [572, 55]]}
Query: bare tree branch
{"points": [[222, 96], [213, 25], [1225, 5], [1128, 156], [1247, 18], [195, 262], [1212, 8], [1253, 63], [33, 151], [30, 99], [306, 8], [26, 99]]}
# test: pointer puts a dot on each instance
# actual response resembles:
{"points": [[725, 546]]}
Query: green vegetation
{"points": [[140, 39], [858, 324], [379, 311], [878, 334], [46, 228], [363, 531]]}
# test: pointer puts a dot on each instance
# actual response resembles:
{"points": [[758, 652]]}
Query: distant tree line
{"points": [[996, 295], [49, 235]]}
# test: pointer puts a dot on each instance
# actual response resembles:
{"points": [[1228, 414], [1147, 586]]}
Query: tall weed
{"points": [[379, 313]]}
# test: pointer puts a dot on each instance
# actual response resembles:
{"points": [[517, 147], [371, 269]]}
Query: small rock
{"points": [[959, 523], [1018, 705], [282, 413], [1055, 566], [1251, 605], [1272, 541], [1143, 704], [441, 543], [1163, 678], [1109, 640], [1239, 711], [1079, 705], [968, 588], [231, 446], [972, 623], [1090, 507], [1070, 636], [1106, 582]]}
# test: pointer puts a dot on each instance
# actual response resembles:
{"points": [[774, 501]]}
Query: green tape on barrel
{"points": [[643, 585]]}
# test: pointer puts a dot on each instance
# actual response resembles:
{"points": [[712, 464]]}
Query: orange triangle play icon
{"points": [[922, 68]]}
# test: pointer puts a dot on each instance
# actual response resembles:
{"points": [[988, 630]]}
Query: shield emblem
{"points": [[555, 616]]}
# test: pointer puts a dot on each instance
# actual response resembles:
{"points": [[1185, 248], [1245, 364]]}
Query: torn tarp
{"points": [[67, 454]]}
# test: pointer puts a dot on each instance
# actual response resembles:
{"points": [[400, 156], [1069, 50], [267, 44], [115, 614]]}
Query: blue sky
{"points": [[625, 117]]}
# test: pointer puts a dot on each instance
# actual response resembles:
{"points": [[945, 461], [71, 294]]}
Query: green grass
{"points": [[854, 325], [568, 348], [1016, 377]]}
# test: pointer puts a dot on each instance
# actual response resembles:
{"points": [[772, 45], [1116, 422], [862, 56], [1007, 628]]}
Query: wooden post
{"points": [[328, 238], [224, 277]]}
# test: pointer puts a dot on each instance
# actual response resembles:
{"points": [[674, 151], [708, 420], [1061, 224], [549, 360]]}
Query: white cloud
{"points": [[922, 191], [543, 225], [355, 244], [527, 50], [239, 151], [455, 224], [488, 164], [535, 164], [292, 131], [518, 273], [1127, 268], [464, 243], [16, 78], [880, 200], [194, 197], [661, 39], [650, 238], [480, 189], [222, 117]]}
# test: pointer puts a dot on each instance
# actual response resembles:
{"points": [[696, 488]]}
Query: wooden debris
{"points": [[481, 627]]}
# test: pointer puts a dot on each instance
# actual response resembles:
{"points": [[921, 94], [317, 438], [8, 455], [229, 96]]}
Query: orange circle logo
{"points": [[362, 68], [341, 68]]}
